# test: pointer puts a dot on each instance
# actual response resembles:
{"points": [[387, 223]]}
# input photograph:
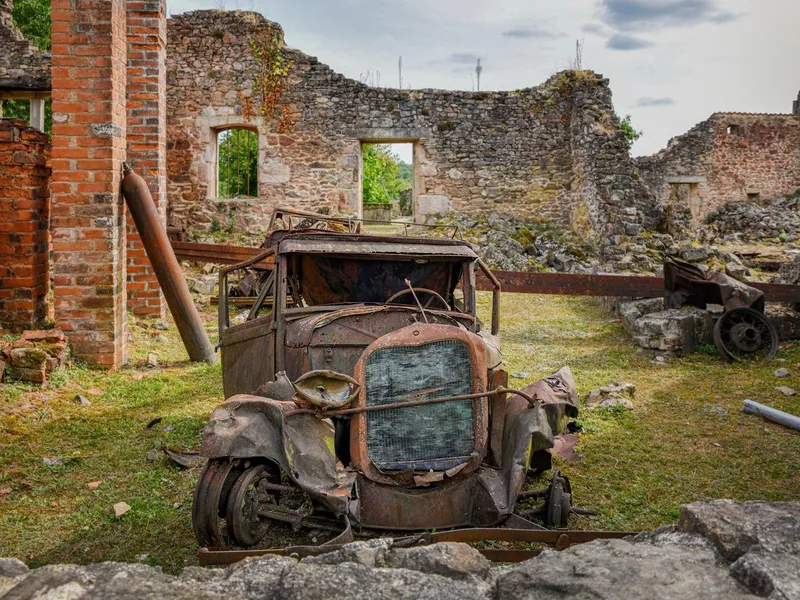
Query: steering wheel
{"points": [[433, 296]]}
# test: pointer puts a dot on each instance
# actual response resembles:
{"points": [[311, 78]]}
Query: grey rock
{"points": [[782, 372], [735, 527], [737, 270], [11, 567], [768, 574], [203, 284], [619, 569], [786, 390], [152, 361], [257, 577], [160, 325], [83, 400], [353, 581], [629, 312], [369, 553], [615, 394], [451, 559], [52, 461]]}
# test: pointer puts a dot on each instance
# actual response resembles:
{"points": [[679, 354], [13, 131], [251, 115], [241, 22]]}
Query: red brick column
{"points": [[87, 211], [24, 219], [147, 31]]}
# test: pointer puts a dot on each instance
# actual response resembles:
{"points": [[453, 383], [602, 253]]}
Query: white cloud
{"points": [[699, 54]]}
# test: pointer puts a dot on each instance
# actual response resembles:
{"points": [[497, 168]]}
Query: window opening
{"points": [[237, 163]]}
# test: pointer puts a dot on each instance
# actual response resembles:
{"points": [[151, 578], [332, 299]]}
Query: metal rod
{"points": [[772, 414], [247, 164], [228, 173], [238, 133], [165, 265], [351, 411]]}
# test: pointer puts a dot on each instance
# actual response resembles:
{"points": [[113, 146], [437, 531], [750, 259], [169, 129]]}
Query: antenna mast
{"points": [[478, 71]]}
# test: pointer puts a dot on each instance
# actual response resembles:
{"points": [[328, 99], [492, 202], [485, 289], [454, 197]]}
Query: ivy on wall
{"points": [[272, 68]]}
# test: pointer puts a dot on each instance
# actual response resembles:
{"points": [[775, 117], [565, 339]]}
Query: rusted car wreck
{"points": [[362, 391]]}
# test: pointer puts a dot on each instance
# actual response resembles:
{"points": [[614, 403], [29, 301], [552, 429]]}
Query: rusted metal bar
{"points": [[165, 265], [560, 539], [574, 284], [219, 254], [520, 282], [362, 409]]}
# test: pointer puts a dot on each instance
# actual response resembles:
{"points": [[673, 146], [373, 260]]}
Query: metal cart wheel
{"points": [[743, 334]]}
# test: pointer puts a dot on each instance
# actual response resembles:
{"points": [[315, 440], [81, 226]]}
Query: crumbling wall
{"points": [[553, 152], [22, 65], [24, 222], [731, 157]]}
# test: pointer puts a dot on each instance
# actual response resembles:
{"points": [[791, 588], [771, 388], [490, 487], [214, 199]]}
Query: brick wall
{"points": [[88, 216], [24, 215], [146, 104]]}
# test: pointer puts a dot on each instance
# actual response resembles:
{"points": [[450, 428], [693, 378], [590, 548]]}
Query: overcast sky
{"points": [[671, 62]]}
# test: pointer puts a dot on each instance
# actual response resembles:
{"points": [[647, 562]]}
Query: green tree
{"points": [[383, 177], [631, 135], [32, 18], [237, 157]]}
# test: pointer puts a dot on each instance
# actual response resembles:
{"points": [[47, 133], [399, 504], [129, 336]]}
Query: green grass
{"points": [[686, 440]]}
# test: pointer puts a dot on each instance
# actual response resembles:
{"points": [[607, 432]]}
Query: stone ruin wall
{"points": [[727, 158], [553, 152]]}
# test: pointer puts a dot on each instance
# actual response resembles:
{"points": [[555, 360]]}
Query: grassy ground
{"points": [[686, 440]]}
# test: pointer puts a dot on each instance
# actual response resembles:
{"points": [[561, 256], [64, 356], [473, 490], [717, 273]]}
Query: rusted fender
{"points": [[530, 429], [302, 446]]}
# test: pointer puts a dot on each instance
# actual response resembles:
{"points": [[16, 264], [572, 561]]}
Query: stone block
{"points": [[433, 204], [28, 374], [29, 358], [629, 312], [669, 330], [203, 284]]}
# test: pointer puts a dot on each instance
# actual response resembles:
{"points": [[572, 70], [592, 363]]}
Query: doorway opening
{"points": [[387, 181]]}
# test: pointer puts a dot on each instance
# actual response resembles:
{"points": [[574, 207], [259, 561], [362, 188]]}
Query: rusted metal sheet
{"points": [[219, 253], [165, 265]]}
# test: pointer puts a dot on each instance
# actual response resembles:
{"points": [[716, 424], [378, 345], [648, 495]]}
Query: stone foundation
{"points": [[718, 550]]}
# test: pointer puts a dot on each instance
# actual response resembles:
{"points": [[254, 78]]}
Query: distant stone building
{"points": [[552, 152], [731, 157]]}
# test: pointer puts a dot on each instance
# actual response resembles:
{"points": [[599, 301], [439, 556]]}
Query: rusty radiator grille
{"points": [[435, 436]]}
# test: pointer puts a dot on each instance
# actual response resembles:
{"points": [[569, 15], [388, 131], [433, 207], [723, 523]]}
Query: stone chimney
{"points": [[796, 105]]}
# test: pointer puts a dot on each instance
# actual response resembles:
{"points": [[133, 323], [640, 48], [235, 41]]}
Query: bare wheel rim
{"points": [[242, 519], [559, 502], [743, 334], [209, 494]]}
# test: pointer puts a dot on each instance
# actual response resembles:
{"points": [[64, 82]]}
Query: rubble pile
{"points": [[33, 356], [721, 549], [510, 244], [779, 218]]}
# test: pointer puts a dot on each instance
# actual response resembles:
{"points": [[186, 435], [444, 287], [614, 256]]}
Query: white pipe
{"points": [[772, 414]]}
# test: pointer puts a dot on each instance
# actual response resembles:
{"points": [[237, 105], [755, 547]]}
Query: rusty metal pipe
{"points": [[165, 265]]}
